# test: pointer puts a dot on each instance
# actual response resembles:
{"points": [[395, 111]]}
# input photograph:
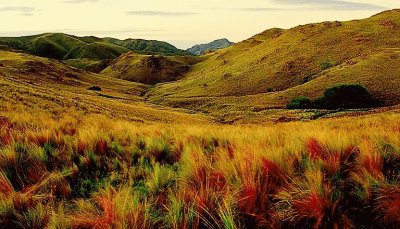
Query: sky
{"points": [[182, 23]]}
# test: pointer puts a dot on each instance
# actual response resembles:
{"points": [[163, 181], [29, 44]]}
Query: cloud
{"points": [[136, 32], [259, 9], [159, 13], [331, 4], [79, 1], [22, 10], [253, 9]]}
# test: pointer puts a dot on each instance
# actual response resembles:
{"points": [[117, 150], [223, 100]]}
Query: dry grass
{"points": [[273, 67], [95, 172]]}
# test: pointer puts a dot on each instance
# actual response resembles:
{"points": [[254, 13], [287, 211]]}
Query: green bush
{"points": [[301, 102], [342, 96], [345, 96]]}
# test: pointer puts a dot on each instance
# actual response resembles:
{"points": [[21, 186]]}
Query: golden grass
{"points": [[271, 68], [101, 172]]}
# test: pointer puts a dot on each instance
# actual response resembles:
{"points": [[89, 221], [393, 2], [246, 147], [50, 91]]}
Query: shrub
{"points": [[346, 96], [327, 64], [300, 103], [94, 88]]}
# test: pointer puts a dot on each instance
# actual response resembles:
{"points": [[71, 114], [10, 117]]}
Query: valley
{"points": [[110, 133]]}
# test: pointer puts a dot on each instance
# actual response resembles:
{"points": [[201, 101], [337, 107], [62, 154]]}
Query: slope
{"points": [[63, 46], [149, 69], [214, 45], [34, 84], [147, 46], [270, 68]]}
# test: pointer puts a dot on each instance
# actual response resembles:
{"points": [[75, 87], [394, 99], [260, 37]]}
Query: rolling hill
{"points": [[65, 47], [270, 68], [149, 69], [39, 85]]}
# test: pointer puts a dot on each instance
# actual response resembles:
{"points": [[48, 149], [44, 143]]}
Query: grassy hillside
{"points": [[63, 46], [149, 69], [270, 68], [39, 85], [147, 46]]}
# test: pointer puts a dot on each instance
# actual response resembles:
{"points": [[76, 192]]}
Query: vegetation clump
{"points": [[342, 96], [301, 102], [345, 96], [94, 88]]}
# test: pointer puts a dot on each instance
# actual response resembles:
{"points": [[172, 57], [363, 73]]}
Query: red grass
{"points": [[315, 148], [312, 206], [273, 174], [82, 147], [217, 180], [97, 220], [388, 203], [373, 165], [101, 147], [231, 151], [257, 193], [42, 139], [5, 185]]}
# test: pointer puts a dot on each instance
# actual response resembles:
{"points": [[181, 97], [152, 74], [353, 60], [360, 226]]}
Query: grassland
{"points": [[40, 85], [269, 69], [86, 150], [150, 69], [91, 171], [76, 158], [65, 47]]}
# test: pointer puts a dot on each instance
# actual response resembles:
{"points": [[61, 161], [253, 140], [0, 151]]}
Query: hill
{"points": [[147, 46], [214, 45], [269, 69], [64, 47], [149, 69], [44, 86]]}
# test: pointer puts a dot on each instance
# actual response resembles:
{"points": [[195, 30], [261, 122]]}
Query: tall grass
{"points": [[95, 172]]}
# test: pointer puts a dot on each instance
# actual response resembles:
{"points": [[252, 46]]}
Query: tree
{"points": [[301, 102], [345, 96]]}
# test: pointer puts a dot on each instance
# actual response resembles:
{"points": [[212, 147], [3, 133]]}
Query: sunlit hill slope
{"points": [[277, 65]]}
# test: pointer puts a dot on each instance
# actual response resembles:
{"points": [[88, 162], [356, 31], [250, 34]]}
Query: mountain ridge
{"points": [[63, 46]]}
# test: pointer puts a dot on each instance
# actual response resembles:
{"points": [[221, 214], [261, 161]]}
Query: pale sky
{"points": [[183, 23]]}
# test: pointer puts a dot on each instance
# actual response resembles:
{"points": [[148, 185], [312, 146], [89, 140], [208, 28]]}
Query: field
{"points": [[77, 171], [107, 133]]}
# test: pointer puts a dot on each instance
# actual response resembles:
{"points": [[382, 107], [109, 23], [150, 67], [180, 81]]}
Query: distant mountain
{"points": [[65, 47], [203, 48], [147, 46]]}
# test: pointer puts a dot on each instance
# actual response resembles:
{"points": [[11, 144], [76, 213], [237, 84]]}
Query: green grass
{"points": [[63, 46]]}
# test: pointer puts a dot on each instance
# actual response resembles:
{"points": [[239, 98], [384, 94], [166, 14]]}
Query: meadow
{"points": [[93, 171], [153, 140]]}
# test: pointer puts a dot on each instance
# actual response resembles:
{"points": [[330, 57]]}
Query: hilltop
{"points": [[214, 45], [270, 68], [149, 69], [90, 53]]}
